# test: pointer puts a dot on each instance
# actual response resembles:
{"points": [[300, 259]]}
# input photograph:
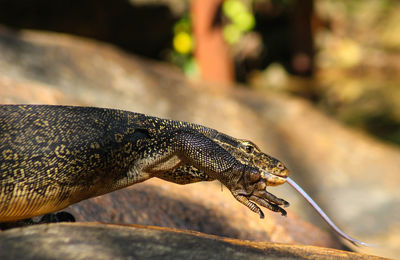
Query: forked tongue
{"points": [[323, 215]]}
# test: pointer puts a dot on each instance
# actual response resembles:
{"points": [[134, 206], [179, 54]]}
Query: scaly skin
{"points": [[54, 156]]}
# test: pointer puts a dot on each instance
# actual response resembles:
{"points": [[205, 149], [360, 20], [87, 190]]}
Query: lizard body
{"points": [[54, 156]]}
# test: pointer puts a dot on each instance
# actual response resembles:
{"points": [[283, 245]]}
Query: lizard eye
{"points": [[249, 149]]}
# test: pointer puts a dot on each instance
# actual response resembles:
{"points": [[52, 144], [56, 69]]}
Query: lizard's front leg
{"points": [[185, 174]]}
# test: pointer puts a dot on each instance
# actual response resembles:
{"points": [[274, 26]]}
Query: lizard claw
{"points": [[265, 195], [266, 204], [252, 206], [261, 214]]}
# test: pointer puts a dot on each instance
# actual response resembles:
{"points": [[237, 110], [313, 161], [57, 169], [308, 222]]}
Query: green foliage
{"points": [[241, 20]]}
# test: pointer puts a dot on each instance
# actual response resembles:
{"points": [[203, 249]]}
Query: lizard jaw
{"points": [[273, 179]]}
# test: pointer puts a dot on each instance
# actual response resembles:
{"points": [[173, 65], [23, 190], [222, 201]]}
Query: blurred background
{"points": [[314, 83], [341, 55]]}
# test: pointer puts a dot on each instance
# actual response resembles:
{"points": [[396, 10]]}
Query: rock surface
{"points": [[99, 241], [353, 176], [200, 207]]}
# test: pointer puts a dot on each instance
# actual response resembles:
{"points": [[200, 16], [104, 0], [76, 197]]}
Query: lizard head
{"points": [[271, 170], [261, 171]]}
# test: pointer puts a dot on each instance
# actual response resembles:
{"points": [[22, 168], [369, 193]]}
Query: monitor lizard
{"points": [[55, 156]]}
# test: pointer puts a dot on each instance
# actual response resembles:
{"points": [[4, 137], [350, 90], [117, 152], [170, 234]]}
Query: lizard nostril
{"points": [[280, 166]]}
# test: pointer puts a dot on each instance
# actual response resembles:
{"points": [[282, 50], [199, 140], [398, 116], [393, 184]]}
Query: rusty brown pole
{"points": [[211, 51]]}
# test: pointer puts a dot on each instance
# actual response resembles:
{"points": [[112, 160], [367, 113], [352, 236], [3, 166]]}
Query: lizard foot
{"points": [[251, 191], [251, 201], [57, 217]]}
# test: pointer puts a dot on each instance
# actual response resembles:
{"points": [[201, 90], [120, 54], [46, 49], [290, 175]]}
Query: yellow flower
{"points": [[182, 43]]}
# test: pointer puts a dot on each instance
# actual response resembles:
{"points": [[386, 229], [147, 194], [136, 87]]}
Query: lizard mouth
{"points": [[283, 174], [273, 179]]}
